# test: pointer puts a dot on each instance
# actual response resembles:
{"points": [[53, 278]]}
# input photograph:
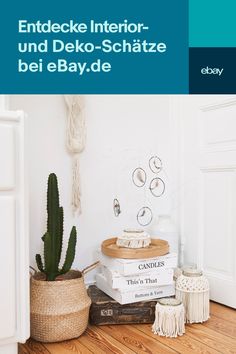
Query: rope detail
{"points": [[75, 143]]}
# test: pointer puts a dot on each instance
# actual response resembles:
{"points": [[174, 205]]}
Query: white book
{"points": [[129, 297], [156, 278], [138, 266]]}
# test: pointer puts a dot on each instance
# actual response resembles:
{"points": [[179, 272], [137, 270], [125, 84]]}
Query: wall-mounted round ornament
{"points": [[157, 187], [139, 177], [155, 164], [144, 216], [116, 207]]}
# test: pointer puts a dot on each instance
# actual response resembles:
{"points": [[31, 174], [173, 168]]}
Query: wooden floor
{"points": [[218, 335]]}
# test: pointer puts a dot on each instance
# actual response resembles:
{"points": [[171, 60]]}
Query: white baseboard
{"points": [[9, 349]]}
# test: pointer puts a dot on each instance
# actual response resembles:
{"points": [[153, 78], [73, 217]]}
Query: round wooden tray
{"points": [[156, 248]]}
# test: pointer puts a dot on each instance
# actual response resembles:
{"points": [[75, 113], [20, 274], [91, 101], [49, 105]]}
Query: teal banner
{"points": [[212, 23], [212, 42], [94, 47]]}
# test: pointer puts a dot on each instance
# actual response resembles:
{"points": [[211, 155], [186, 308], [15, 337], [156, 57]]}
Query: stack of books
{"points": [[132, 280]]}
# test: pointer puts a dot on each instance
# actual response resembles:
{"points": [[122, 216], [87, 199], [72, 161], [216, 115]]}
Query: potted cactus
{"points": [[53, 238], [59, 305]]}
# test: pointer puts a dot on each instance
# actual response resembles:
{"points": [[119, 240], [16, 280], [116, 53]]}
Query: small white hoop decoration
{"points": [[116, 207], [144, 216], [139, 177], [155, 164], [157, 187]]}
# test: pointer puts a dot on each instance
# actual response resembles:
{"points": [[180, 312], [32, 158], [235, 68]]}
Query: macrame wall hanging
{"points": [[75, 142]]}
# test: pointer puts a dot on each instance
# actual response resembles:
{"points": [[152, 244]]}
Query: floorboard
{"points": [[212, 339], [33, 347], [99, 341], [183, 344], [68, 347], [218, 335], [223, 312], [138, 341]]}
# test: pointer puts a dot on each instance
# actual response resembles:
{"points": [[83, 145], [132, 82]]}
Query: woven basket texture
{"points": [[59, 310]]}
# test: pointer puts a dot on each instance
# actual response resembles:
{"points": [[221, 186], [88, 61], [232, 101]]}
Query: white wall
{"points": [[4, 102], [123, 132]]}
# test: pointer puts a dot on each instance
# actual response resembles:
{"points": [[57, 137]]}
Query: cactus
{"points": [[53, 238]]}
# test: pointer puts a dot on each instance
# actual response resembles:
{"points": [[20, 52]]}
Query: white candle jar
{"points": [[169, 318], [192, 288], [134, 238]]}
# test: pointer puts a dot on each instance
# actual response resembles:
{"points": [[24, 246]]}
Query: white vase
{"points": [[167, 230]]}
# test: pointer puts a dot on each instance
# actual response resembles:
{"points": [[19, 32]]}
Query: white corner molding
{"points": [[4, 102], [14, 251], [220, 115], [177, 104]]}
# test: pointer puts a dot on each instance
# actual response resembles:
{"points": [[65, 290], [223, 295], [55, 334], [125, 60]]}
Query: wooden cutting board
{"points": [[157, 248]]}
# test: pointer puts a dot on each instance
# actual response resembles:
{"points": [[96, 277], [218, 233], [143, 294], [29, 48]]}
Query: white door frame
{"points": [[17, 191], [179, 113]]}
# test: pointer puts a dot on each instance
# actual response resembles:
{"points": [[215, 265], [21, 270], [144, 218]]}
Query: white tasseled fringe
{"points": [[169, 321], [133, 238], [75, 142], [133, 243], [196, 305], [76, 191]]}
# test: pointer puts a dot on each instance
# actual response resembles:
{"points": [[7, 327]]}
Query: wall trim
{"points": [[220, 168], [219, 105]]}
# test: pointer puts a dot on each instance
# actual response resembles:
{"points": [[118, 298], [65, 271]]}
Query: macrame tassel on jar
{"points": [[192, 288], [169, 318], [75, 142], [134, 238]]}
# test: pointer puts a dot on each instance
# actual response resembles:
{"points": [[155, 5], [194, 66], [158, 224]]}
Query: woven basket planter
{"points": [[59, 310]]}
